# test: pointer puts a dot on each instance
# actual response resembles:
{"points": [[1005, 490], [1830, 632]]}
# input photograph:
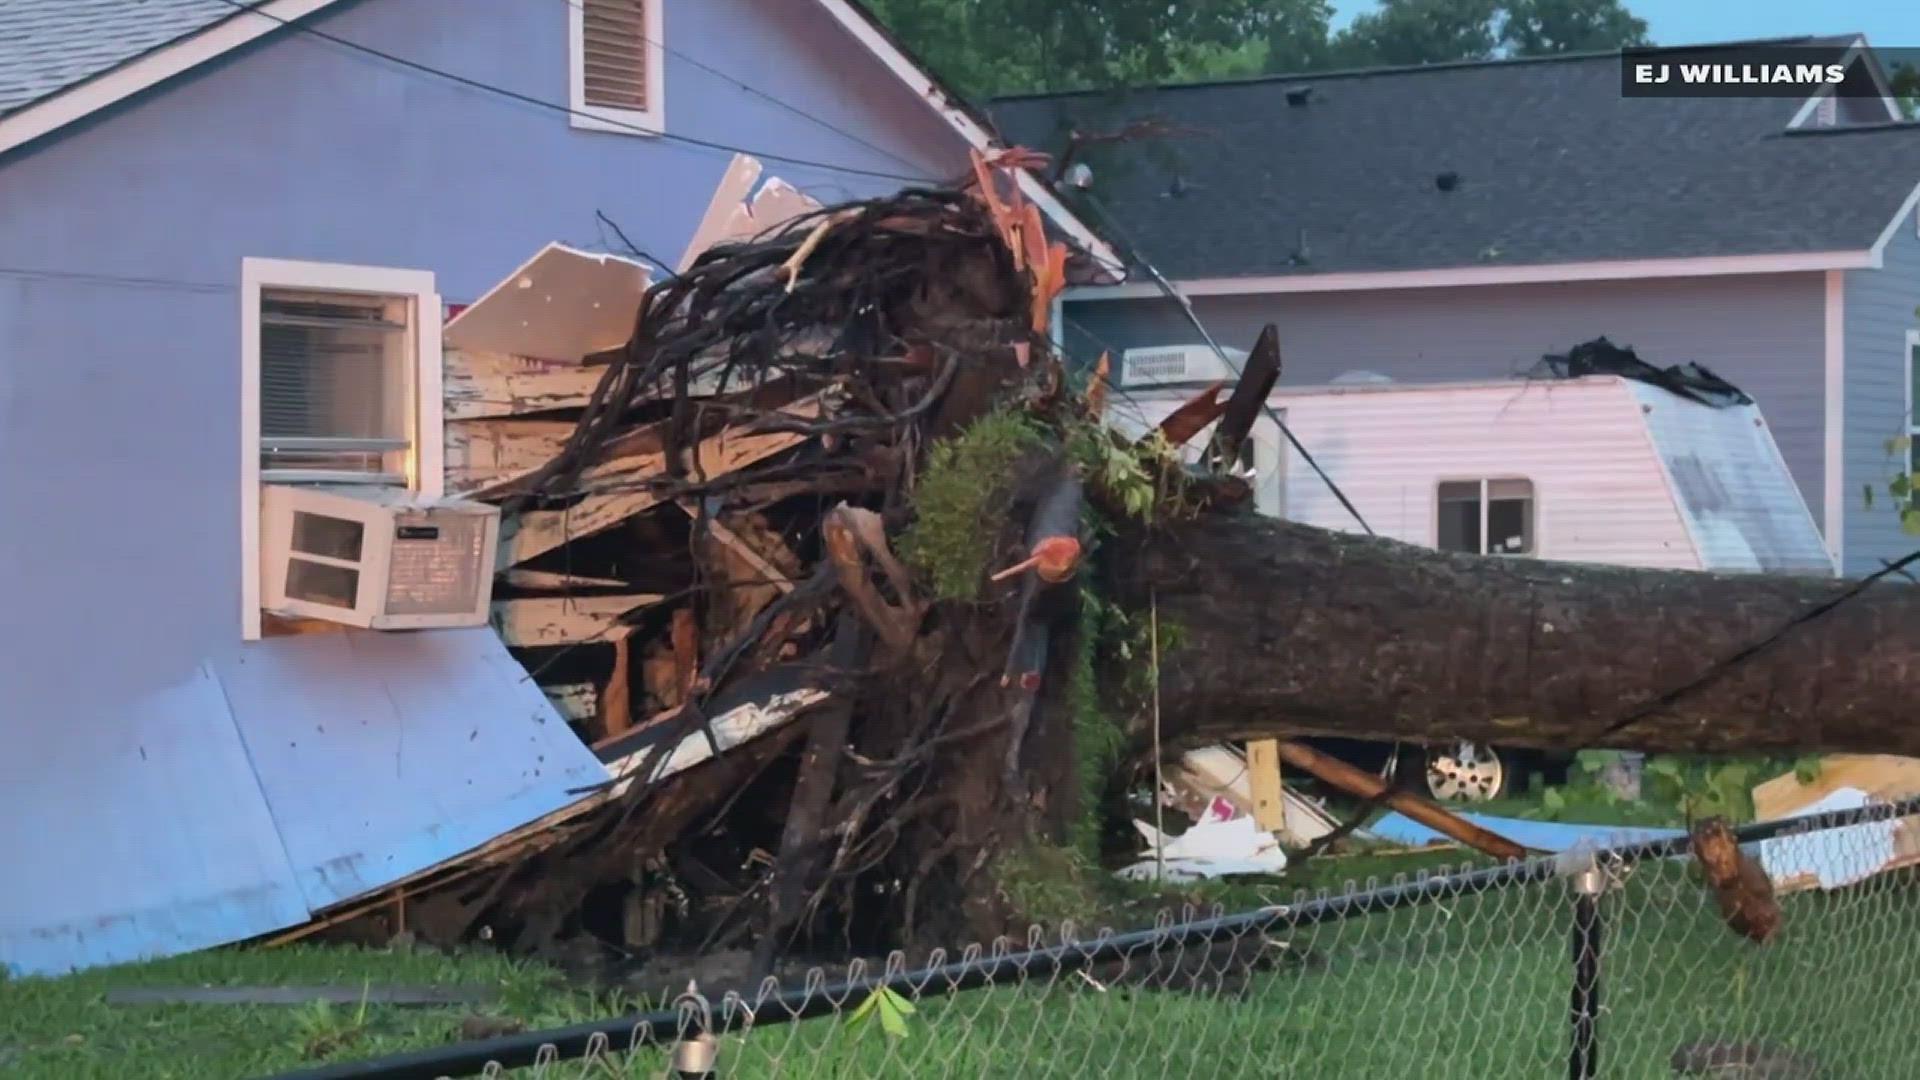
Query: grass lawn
{"points": [[1466, 989]]}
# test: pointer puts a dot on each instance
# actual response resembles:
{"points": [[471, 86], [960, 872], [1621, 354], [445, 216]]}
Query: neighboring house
{"points": [[1458, 221], [220, 219]]}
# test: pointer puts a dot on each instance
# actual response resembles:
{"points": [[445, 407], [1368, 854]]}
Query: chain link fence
{"points": [[1616, 964]]}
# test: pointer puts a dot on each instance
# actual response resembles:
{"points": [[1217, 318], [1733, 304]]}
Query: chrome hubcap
{"points": [[1468, 773]]}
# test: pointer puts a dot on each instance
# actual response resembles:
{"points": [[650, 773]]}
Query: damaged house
{"points": [[1458, 222], [230, 396]]}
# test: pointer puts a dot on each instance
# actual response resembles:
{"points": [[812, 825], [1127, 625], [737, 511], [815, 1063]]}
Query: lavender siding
{"points": [[1764, 333], [1879, 311], [121, 241]]}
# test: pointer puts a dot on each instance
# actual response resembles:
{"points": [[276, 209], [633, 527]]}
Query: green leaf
{"points": [[1866, 493], [1553, 800], [1899, 444], [1910, 521], [1901, 485], [1596, 761], [1807, 769], [890, 1007]]}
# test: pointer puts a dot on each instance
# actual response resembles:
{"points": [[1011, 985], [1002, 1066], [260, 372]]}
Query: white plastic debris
{"points": [[1212, 848]]}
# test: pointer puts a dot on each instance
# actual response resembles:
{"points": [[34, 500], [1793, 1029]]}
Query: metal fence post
{"points": [[1584, 1011]]}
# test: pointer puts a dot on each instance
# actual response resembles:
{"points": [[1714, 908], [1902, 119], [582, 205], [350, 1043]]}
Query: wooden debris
{"points": [[1367, 786], [1263, 782], [1193, 416], [564, 620], [480, 386], [535, 533], [486, 454], [1249, 398], [554, 582]]}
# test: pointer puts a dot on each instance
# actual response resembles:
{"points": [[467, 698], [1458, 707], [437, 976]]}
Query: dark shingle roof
{"points": [[1553, 166], [47, 46]]}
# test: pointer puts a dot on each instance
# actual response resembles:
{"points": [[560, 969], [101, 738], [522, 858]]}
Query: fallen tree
{"points": [[842, 455], [1291, 630]]}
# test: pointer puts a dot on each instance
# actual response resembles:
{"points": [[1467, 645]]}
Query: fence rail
{"points": [[1610, 963]]}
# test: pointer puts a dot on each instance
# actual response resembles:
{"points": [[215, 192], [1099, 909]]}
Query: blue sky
{"points": [[1685, 22]]}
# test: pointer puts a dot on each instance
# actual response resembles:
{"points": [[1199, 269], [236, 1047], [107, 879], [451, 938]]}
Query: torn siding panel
{"points": [[384, 754], [1732, 487], [148, 837]]}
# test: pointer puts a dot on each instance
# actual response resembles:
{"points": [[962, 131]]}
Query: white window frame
{"points": [[426, 417], [646, 122], [1485, 482]]}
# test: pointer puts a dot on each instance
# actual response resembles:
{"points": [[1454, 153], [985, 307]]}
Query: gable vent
{"points": [[614, 44]]}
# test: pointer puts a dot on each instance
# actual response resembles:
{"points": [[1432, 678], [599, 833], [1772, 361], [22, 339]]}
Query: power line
{"points": [[528, 99], [757, 92], [1166, 287]]}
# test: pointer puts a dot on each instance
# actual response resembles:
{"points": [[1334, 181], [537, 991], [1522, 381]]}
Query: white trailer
{"points": [[1597, 469]]}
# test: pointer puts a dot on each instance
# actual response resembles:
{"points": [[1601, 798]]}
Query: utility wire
{"points": [[1744, 655], [1186, 308], [757, 92], [528, 99]]}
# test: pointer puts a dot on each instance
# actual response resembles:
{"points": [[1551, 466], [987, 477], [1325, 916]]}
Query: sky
{"points": [[1894, 23]]}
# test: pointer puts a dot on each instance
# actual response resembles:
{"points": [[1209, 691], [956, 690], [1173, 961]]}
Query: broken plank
{"points": [[558, 582], [481, 385], [738, 545], [540, 531], [484, 454], [1368, 786], [563, 620], [1263, 785], [417, 997]]}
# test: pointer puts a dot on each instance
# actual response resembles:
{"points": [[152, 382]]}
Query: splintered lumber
{"points": [[1249, 397], [556, 582], [535, 533], [479, 385], [742, 550], [1263, 785], [564, 620], [1292, 630], [1367, 786], [483, 454]]}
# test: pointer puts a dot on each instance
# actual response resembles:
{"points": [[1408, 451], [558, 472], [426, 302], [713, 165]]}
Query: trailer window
{"points": [[1486, 517]]}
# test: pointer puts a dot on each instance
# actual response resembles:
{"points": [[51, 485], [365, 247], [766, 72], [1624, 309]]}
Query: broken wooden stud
{"points": [[1367, 786], [1193, 415]]}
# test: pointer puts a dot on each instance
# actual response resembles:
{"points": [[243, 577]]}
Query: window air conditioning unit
{"points": [[380, 558], [1178, 365]]}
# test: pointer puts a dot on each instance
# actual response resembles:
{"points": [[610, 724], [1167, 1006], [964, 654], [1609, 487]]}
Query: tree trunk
{"points": [[1285, 629]]}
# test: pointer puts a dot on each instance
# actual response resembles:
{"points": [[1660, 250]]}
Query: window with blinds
{"points": [[614, 54], [334, 379]]}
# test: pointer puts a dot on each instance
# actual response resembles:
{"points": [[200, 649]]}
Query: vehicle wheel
{"points": [[1468, 772]]}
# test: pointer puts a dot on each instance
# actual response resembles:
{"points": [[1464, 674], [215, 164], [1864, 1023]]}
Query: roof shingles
{"points": [[1553, 165], [47, 46]]}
